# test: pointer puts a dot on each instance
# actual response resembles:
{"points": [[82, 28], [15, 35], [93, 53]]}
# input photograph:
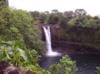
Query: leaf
{"points": [[22, 54]]}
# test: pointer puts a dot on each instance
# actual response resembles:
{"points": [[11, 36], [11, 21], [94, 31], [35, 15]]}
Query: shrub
{"points": [[65, 66]]}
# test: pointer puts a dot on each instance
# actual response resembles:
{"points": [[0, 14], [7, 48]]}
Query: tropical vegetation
{"points": [[21, 42]]}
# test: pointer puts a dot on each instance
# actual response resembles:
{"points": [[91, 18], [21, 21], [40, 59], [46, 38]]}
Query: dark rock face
{"points": [[56, 32]]}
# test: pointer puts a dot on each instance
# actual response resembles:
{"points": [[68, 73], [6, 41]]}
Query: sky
{"points": [[91, 6]]}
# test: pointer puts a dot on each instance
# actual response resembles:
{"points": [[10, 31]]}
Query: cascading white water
{"points": [[47, 33]]}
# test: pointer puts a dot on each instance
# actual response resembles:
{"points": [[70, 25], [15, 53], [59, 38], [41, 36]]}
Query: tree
{"points": [[53, 19], [80, 12], [19, 25], [55, 11], [69, 14], [35, 14], [3, 3]]}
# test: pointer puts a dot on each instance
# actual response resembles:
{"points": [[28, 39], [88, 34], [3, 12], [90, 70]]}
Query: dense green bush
{"points": [[19, 25], [12, 52], [65, 66]]}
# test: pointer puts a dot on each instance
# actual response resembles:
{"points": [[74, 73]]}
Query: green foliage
{"points": [[98, 70], [19, 25], [65, 66], [12, 53]]}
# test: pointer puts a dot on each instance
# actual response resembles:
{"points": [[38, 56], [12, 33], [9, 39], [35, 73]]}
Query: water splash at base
{"points": [[53, 54]]}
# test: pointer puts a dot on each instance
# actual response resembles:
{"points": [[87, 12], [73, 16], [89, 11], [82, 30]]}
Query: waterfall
{"points": [[47, 33]]}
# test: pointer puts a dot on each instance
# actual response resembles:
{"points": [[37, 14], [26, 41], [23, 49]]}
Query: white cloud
{"points": [[91, 6]]}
